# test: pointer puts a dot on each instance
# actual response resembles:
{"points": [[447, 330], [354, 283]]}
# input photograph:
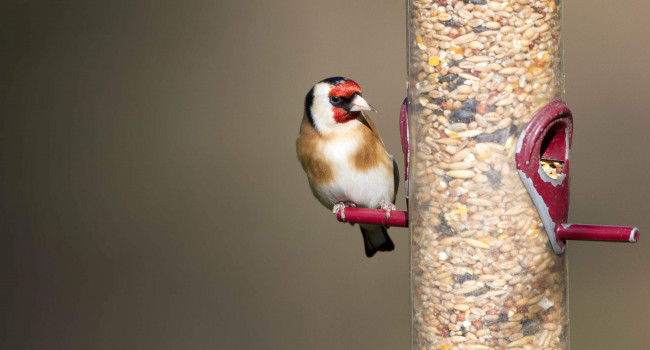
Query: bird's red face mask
{"points": [[347, 102]]}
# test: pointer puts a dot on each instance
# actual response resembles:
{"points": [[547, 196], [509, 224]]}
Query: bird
{"points": [[344, 157]]}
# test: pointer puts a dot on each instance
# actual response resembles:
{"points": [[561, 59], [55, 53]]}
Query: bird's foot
{"points": [[341, 207], [388, 207]]}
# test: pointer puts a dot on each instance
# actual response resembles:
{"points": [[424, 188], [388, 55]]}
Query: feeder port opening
{"points": [[553, 151]]}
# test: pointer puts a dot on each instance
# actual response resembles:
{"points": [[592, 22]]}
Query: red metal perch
{"points": [[597, 233], [397, 218]]}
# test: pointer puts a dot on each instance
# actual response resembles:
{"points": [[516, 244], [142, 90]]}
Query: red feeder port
{"points": [[543, 165]]}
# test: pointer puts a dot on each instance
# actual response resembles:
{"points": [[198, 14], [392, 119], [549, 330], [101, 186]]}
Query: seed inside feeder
{"points": [[552, 168], [480, 261]]}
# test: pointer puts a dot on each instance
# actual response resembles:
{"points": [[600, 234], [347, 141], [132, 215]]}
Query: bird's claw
{"points": [[339, 207], [388, 207]]}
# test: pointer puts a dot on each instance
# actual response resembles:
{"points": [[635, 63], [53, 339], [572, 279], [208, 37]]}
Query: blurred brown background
{"points": [[151, 197]]}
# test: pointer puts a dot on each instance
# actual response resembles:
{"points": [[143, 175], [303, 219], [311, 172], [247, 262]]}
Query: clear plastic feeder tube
{"points": [[483, 274]]}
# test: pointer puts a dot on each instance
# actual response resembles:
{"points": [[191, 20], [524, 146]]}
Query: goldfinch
{"points": [[344, 157]]}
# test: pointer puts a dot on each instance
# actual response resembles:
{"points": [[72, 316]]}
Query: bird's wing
{"points": [[317, 167], [365, 120]]}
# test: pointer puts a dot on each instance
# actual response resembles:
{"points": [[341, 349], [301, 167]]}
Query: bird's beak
{"points": [[359, 104]]}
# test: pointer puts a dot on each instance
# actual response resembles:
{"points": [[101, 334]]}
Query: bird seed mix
{"points": [[484, 275]]}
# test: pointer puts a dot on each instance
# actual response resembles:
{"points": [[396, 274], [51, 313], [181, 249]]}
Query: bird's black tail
{"points": [[375, 238]]}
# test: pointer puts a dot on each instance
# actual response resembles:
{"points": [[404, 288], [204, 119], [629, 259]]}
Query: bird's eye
{"points": [[335, 99]]}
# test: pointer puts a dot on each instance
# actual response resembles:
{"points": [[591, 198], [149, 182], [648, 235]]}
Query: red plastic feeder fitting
{"points": [[542, 157]]}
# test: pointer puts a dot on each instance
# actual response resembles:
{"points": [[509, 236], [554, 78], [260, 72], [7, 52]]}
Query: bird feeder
{"points": [[487, 142], [489, 196]]}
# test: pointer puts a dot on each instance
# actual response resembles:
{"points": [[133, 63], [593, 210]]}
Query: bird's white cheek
{"points": [[321, 111]]}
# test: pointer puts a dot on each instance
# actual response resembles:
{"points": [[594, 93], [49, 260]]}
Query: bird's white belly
{"points": [[364, 188]]}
